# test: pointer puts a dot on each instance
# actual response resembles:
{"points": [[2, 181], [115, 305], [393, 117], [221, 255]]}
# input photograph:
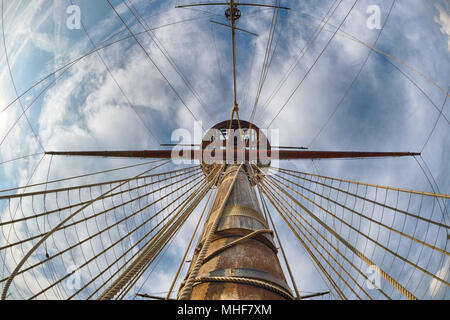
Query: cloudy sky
{"points": [[117, 98]]}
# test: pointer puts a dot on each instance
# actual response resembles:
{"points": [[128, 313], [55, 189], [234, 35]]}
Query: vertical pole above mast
{"points": [[233, 46]]}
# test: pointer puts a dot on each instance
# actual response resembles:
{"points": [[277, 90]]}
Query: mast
{"points": [[235, 257]]}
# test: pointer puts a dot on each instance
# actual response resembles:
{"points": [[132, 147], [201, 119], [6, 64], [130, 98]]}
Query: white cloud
{"points": [[436, 285], [444, 20], [86, 109]]}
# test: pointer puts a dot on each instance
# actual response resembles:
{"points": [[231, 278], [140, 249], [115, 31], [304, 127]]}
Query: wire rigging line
{"points": [[87, 262], [387, 277], [386, 249], [151, 60], [114, 207], [45, 209], [71, 63], [94, 258], [265, 66], [159, 259], [183, 259], [23, 113], [148, 254], [433, 187], [362, 215], [185, 212], [412, 239], [219, 66], [61, 209], [354, 79], [315, 62], [59, 225], [81, 176], [138, 16], [267, 214], [301, 54], [14, 83], [391, 57], [330, 264], [208, 190], [387, 58], [188, 286], [439, 195], [356, 196], [316, 262], [194, 177], [436, 122], [137, 243], [9, 207], [22, 158], [79, 187], [252, 63], [277, 198], [131, 105]]}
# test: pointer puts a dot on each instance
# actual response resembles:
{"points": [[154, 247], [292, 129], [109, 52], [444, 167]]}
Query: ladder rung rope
{"points": [[43, 239], [137, 228], [141, 260], [86, 186], [320, 253], [439, 195], [185, 213], [166, 238], [373, 201], [183, 259], [103, 212], [364, 216], [332, 246], [61, 209], [147, 243], [387, 277], [77, 177], [316, 261], [117, 242], [369, 238]]}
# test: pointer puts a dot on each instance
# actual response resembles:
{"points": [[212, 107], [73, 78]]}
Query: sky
{"points": [[117, 98]]}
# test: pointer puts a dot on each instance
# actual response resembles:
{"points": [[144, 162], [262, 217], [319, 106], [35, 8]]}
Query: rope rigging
{"points": [[435, 246], [102, 234], [153, 185]]}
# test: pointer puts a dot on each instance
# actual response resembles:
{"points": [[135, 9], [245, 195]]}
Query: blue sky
{"points": [[84, 109]]}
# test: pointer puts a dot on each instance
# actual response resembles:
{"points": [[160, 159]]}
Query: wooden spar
{"points": [[227, 3], [218, 155]]}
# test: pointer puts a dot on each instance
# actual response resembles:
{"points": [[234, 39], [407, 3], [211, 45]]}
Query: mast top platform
{"points": [[232, 142]]}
